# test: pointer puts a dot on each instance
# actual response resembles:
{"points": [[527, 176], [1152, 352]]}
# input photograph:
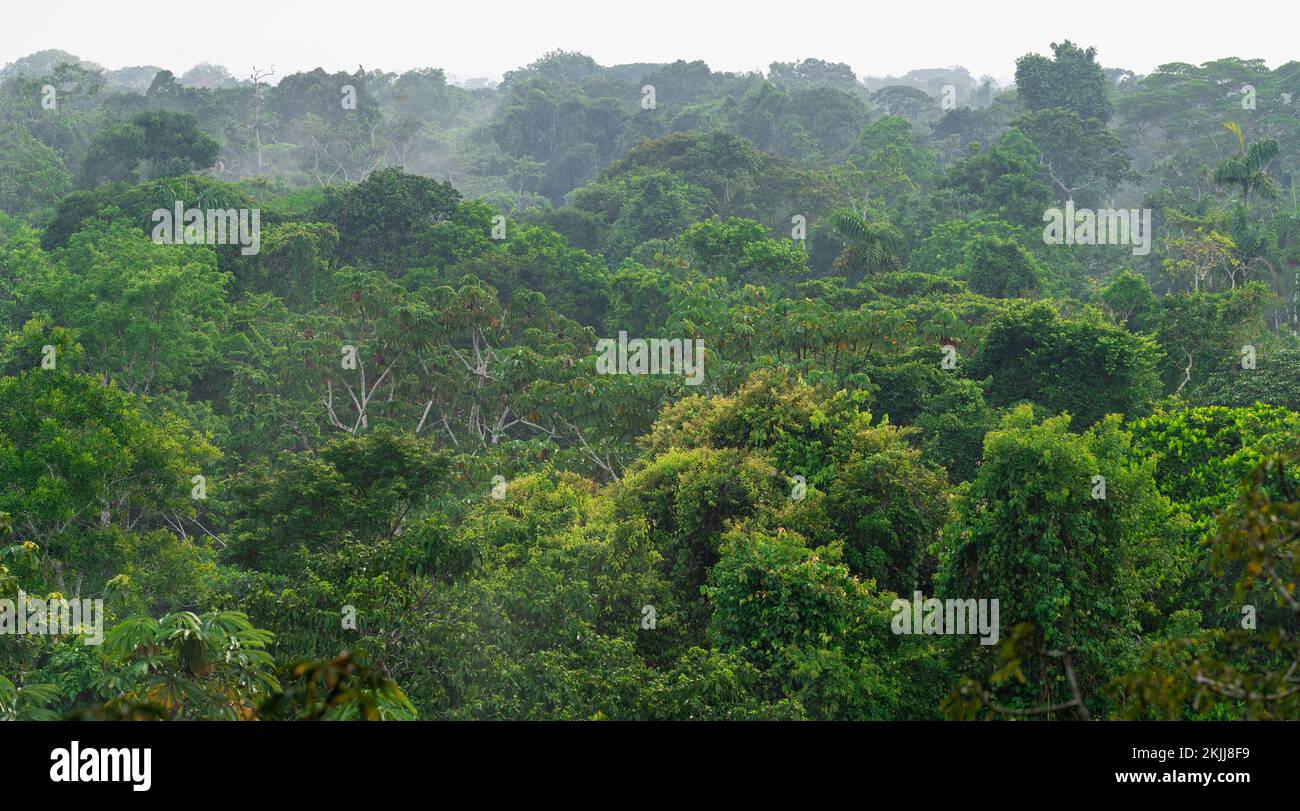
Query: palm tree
{"points": [[869, 247], [1248, 169]]}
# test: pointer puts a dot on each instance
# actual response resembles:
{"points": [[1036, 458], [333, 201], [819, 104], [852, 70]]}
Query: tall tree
{"points": [[1072, 79]]}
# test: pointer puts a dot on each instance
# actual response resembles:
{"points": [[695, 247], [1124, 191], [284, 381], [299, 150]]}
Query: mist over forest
{"points": [[650, 392]]}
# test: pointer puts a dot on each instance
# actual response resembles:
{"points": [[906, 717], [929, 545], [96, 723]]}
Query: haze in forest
{"points": [[873, 39]]}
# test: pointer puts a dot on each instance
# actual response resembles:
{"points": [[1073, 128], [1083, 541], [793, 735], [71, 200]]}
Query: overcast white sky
{"points": [[488, 37]]}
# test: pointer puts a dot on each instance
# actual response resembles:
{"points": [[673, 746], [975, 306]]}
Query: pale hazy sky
{"points": [[488, 37]]}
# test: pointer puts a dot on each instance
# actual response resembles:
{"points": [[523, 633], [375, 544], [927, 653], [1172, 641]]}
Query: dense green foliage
{"points": [[377, 466]]}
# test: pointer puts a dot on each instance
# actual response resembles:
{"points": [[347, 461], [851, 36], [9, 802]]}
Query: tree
{"points": [[1129, 300], [1001, 268], [816, 633], [149, 315], [1035, 535], [1033, 354], [950, 411], [689, 498], [741, 251], [1203, 332], [32, 175], [363, 488], [1248, 169], [207, 75], [257, 77], [1204, 453], [1002, 180], [42, 63], [906, 102], [1199, 254], [657, 205], [812, 71], [1243, 671], [150, 145], [869, 247], [85, 466], [382, 217], [1078, 154], [1272, 381], [894, 164], [1072, 79], [884, 503]]}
